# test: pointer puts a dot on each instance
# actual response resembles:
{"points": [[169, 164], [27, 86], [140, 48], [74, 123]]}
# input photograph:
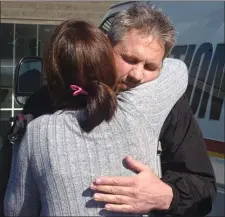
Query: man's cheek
{"points": [[122, 70], [125, 69]]}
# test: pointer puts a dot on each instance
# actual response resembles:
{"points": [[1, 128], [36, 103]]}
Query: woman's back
{"points": [[63, 160], [68, 160]]}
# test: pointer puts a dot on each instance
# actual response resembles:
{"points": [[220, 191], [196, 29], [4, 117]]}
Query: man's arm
{"points": [[39, 103], [185, 163]]}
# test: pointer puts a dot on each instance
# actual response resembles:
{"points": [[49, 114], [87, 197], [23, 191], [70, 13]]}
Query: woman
{"points": [[62, 153]]}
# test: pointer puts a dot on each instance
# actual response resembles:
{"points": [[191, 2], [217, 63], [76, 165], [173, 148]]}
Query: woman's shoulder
{"points": [[48, 121], [38, 125]]}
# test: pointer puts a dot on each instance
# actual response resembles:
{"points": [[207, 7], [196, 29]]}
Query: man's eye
{"points": [[129, 60], [151, 68]]}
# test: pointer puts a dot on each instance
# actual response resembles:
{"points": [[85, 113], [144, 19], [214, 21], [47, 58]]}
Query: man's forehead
{"points": [[141, 51]]}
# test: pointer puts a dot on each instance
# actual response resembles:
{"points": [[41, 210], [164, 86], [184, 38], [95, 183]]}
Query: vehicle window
{"points": [[107, 24]]}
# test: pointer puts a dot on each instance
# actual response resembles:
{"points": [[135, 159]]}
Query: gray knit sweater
{"points": [[56, 162]]}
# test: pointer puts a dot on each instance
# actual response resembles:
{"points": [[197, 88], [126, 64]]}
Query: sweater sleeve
{"points": [[156, 98], [21, 198]]}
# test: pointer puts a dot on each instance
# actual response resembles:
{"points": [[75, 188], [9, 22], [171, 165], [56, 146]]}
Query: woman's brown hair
{"points": [[81, 54]]}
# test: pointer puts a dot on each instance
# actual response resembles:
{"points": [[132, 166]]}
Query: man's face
{"points": [[138, 59]]}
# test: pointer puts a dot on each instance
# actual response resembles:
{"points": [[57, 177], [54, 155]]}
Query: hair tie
{"points": [[77, 90]]}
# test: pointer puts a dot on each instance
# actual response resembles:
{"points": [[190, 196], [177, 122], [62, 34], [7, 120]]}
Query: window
{"points": [[4, 124], [26, 40], [44, 34], [6, 41]]}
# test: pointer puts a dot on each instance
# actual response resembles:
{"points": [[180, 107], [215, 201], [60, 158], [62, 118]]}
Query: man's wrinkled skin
{"points": [[137, 194], [138, 60]]}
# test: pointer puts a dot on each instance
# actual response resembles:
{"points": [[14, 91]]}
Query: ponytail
{"points": [[101, 104], [80, 54]]}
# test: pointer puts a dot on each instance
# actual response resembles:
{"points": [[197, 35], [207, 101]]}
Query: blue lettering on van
{"points": [[206, 76]]}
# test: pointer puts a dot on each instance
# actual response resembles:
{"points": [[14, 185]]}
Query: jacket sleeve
{"points": [[21, 197], [185, 163], [39, 103]]}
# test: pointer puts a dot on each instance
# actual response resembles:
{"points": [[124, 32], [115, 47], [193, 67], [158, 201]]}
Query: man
{"points": [[185, 163], [187, 187]]}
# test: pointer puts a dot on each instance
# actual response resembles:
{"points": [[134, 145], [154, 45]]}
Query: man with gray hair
{"points": [[142, 37]]}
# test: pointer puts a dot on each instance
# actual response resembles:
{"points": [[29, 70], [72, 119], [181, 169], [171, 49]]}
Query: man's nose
{"points": [[135, 76]]}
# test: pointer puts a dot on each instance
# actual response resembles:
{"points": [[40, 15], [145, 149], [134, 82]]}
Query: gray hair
{"points": [[147, 20]]}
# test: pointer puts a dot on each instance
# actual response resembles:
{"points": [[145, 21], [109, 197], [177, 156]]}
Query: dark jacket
{"points": [[185, 163]]}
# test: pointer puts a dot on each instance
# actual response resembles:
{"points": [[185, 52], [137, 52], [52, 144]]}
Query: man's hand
{"points": [[136, 194]]}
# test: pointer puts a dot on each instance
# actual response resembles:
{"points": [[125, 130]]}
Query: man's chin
{"points": [[122, 87]]}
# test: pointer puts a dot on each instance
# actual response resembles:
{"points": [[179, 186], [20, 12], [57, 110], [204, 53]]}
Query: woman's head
{"points": [[80, 54]]}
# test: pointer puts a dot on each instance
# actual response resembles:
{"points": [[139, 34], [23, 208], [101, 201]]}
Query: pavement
{"points": [[218, 206]]}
